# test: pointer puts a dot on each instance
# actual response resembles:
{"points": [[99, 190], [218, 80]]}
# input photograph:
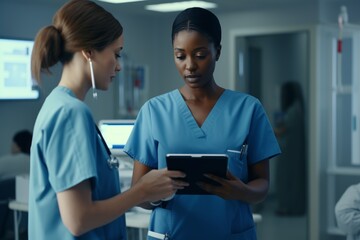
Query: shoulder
{"points": [[241, 96], [165, 100], [236, 98], [353, 189], [62, 111], [62, 103], [165, 97], [349, 196]]}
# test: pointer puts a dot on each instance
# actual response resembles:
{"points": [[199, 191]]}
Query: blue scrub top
{"points": [[65, 151], [166, 125]]}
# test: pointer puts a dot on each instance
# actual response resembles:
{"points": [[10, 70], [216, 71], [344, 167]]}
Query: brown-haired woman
{"points": [[205, 118], [74, 191]]}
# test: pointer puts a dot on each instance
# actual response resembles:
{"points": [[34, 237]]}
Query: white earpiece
{"points": [[92, 79]]}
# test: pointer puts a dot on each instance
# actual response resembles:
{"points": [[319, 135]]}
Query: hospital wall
{"points": [[148, 42], [144, 43]]}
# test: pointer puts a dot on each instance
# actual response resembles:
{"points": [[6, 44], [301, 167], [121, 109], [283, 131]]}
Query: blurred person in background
{"points": [[290, 180]]}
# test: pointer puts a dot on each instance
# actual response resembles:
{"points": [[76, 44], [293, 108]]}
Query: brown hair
{"points": [[78, 25]]}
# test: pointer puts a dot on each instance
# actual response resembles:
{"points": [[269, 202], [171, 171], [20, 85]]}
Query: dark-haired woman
{"points": [[202, 117]]}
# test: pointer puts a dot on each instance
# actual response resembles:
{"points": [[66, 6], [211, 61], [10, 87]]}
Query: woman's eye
{"points": [[180, 57], [201, 56], [117, 55]]}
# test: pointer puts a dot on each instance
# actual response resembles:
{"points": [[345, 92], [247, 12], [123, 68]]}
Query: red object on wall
{"points": [[339, 46]]}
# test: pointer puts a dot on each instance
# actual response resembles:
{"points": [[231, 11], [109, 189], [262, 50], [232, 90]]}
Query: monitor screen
{"points": [[116, 133], [15, 70]]}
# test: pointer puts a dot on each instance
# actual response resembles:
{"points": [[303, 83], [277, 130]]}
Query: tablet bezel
{"points": [[194, 166]]}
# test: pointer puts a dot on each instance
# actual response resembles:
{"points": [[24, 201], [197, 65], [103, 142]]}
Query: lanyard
{"points": [[113, 162]]}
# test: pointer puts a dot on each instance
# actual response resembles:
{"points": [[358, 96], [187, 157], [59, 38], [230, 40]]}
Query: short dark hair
{"points": [[200, 20], [23, 140]]}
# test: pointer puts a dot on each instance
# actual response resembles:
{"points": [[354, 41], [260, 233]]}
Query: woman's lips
{"points": [[192, 78]]}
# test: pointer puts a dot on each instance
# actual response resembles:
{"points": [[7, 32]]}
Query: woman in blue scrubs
{"points": [[74, 191], [202, 117]]}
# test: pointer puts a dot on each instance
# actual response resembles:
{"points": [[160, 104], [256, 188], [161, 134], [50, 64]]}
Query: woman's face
{"points": [[195, 58], [106, 63]]}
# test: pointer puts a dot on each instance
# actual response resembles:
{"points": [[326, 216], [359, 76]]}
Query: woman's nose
{"points": [[190, 64], [118, 67]]}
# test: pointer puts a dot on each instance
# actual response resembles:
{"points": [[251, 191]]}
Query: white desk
{"points": [[138, 220], [141, 220], [134, 219], [17, 207]]}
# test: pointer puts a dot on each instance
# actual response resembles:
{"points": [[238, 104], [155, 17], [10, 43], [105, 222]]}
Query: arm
{"points": [[233, 188], [140, 170], [347, 210], [81, 214]]}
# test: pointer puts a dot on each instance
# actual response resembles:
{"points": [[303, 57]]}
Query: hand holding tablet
{"points": [[195, 166]]}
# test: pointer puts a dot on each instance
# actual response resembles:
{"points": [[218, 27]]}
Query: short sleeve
{"points": [[70, 154], [141, 145], [262, 143]]}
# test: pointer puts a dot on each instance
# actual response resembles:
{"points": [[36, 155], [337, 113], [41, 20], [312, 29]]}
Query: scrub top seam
{"points": [[215, 112], [187, 115]]}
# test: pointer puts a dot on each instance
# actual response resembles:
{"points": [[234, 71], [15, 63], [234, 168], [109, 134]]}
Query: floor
{"points": [[274, 227]]}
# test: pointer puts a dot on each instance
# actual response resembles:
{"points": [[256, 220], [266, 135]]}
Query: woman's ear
{"points": [[218, 52], [87, 54]]}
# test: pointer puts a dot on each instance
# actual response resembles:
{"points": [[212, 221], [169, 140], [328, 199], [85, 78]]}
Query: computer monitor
{"points": [[16, 82], [116, 133]]}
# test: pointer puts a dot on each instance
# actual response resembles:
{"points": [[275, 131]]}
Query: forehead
{"points": [[190, 38], [117, 43]]}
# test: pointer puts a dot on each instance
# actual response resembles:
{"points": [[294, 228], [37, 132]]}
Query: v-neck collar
{"points": [[200, 132]]}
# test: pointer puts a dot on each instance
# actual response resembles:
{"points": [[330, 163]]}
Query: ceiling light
{"points": [[121, 1], [179, 6]]}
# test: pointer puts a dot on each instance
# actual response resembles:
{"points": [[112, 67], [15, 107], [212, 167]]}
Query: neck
{"points": [[73, 77], [210, 91]]}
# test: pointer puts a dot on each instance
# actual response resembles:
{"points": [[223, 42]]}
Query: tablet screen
{"points": [[195, 166]]}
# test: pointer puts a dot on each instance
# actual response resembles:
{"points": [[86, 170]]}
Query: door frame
{"points": [[313, 181]]}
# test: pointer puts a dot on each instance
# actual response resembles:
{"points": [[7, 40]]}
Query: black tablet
{"points": [[195, 166]]}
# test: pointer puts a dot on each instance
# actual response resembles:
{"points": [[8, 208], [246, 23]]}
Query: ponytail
{"points": [[47, 51], [77, 25]]}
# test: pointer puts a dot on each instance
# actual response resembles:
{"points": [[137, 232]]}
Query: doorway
{"points": [[263, 63]]}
